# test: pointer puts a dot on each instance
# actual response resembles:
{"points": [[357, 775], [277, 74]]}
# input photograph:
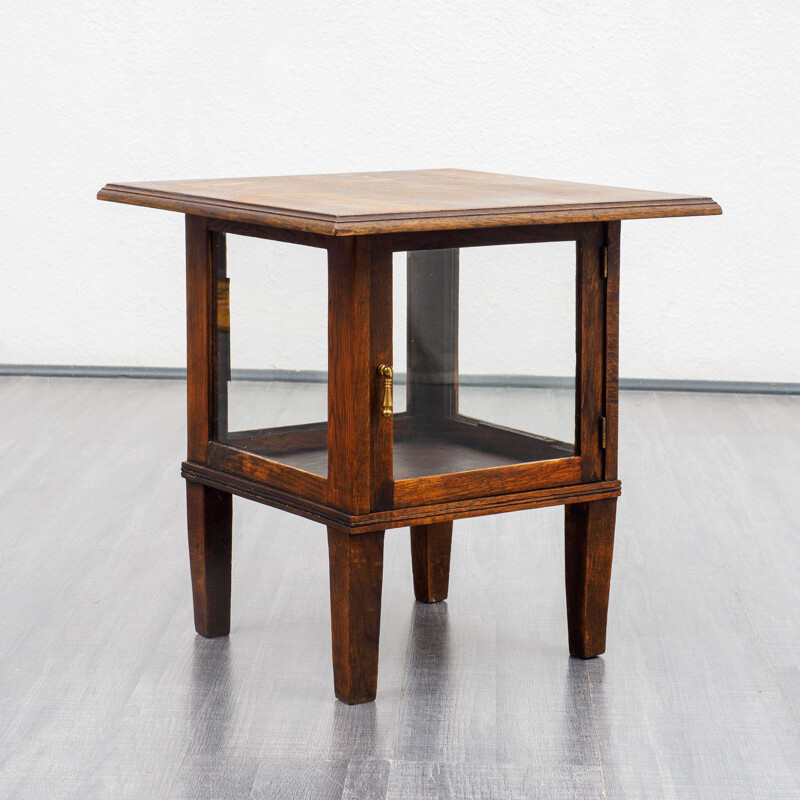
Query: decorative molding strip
{"points": [[318, 376], [399, 517]]}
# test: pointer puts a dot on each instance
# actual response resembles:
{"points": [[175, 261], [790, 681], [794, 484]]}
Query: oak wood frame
{"points": [[209, 509], [359, 494], [360, 278]]}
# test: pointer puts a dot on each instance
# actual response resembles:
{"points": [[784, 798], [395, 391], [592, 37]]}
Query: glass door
{"points": [[485, 348]]}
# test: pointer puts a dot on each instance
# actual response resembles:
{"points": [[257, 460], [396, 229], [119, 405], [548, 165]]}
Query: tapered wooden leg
{"points": [[589, 541], [209, 512], [356, 567], [430, 560]]}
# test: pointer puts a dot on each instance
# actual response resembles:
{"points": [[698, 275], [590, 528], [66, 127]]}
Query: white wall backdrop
{"points": [[675, 96]]}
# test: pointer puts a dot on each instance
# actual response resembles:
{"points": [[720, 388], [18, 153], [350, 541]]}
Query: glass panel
{"points": [[485, 349], [277, 400]]}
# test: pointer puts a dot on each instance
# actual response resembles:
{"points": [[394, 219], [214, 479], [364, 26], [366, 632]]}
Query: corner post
{"points": [[589, 527], [432, 392], [209, 511], [359, 453]]}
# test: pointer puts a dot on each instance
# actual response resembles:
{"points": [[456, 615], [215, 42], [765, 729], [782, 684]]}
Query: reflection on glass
{"points": [[272, 391], [489, 358]]}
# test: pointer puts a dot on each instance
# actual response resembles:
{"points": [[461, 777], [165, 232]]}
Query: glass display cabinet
{"points": [[400, 434]]}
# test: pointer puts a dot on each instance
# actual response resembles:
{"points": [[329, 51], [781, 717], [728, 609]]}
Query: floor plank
{"points": [[106, 692]]}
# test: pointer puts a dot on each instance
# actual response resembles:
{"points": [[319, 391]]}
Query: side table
{"points": [[366, 468]]}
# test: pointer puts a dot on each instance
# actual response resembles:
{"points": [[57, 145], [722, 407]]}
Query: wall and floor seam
{"points": [[317, 376]]}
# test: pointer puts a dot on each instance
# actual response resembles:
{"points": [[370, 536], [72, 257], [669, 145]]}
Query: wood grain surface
{"points": [[588, 551], [474, 504], [611, 400], [210, 548], [200, 337], [430, 560], [359, 339], [356, 582], [385, 202]]}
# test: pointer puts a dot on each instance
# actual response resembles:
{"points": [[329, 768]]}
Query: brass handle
{"points": [[385, 371]]}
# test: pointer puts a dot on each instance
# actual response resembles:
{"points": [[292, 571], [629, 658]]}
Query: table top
{"points": [[410, 200]]}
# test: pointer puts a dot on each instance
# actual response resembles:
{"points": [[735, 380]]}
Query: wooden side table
{"points": [[366, 469]]}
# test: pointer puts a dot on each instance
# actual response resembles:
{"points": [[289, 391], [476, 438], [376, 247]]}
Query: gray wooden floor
{"points": [[106, 692]]}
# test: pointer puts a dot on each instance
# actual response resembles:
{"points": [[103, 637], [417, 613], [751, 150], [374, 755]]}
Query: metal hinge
{"points": [[603, 426], [223, 304], [605, 260]]}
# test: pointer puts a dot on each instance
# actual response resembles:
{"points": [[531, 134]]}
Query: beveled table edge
{"points": [[333, 225]]}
